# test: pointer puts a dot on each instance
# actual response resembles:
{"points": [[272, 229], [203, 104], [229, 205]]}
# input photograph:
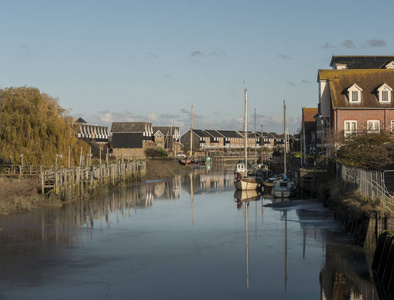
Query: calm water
{"points": [[182, 239]]}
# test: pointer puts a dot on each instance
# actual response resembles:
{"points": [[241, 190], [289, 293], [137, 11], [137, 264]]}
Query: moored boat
{"points": [[284, 188]]}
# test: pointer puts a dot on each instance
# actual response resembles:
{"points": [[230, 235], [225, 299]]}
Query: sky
{"points": [[151, 60]]}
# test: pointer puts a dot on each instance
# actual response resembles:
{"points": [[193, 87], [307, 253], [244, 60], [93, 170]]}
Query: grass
{"points": [[21, 195]]}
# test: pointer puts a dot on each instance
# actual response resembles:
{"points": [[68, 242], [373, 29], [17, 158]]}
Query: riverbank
{"points": [[352, 208], [22, 195]]}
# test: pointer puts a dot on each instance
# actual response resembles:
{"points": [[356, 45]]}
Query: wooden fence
{"points": [[78, 180]]}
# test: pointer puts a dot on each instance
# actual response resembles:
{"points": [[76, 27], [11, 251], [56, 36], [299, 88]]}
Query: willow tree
{"points": [[33, 124]]}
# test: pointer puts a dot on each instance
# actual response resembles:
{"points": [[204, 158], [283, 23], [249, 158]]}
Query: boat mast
{"points": [[255, 140], [246, 127], [284, 135], [191, 135]]}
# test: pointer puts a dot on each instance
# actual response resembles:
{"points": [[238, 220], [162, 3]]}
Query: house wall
{"points": [[324, 99], [132, 153], [362, 116]]}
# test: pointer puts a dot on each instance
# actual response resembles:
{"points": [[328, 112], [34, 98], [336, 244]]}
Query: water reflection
{"points": [[346, 274], [297, 246]]}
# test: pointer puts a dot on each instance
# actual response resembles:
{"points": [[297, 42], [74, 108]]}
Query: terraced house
{"points": [[355, 97]]}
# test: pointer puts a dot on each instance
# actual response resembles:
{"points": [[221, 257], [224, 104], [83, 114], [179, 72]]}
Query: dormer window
{"points": [[390, 65], [354, 94], [384, 94]]}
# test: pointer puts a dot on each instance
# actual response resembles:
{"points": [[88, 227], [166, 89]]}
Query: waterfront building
{"points": [[168, 137], [131, 139], [355, 97], [95, 133]]}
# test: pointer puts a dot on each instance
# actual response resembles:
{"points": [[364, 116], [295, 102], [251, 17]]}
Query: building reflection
{"points": [[346, 274], [206, 181]]}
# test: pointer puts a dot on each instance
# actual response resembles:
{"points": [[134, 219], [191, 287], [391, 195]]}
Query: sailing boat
{"points": [[242, 181], [284, 187]]}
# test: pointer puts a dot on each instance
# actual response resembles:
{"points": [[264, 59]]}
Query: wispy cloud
{"points": [[328, 46], [153, 55], [290, 83], [349, 44], [284, 56], [197, 53], [305, 81], [376, 43]]}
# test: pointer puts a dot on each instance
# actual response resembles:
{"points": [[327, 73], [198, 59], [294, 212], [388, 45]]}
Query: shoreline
{"points": [[21, 195]]}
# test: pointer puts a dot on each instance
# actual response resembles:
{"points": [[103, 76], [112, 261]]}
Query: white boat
{"points": [[242, 181], [284, 188], [247, 183]]}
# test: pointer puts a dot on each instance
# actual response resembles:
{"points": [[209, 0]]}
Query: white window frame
{"points": [[373, 126], [384, 88], [392, 125], [354, 89], [350, 128]]}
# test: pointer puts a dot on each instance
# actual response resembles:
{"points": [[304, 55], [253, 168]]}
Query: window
{"points": [[384, 94], [354, 96], [373, 126], [350, 128], [392, 125]]}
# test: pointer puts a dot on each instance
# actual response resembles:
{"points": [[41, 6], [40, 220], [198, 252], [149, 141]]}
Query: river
{"points": [[187, 238]]}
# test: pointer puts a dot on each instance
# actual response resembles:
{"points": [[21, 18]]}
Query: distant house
{"points": [[96, 133], [355, 97], [199, 140], [130, 139], [216, 139], [170, 139], [232, 139]]}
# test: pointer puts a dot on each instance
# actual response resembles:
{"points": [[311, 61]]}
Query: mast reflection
{"points": [[246, 197]]}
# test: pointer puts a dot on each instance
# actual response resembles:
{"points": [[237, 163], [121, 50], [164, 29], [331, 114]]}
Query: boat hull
{"points": [[284, 189], [246, 184]]}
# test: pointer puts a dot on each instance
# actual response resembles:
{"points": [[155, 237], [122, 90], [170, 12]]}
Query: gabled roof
{"points": [[230, 133], [367, 79], [166, 130], [201, 133], [129, 126], [276, 136], [362, 62], [214, 133], [80, 120], [309, 113]]}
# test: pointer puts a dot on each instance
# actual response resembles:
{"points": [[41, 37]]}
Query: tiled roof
{"points": [[367, 79], [214, 133], [362, 62], [129, 126], [201, 133], [230, 134], [309, 113]]}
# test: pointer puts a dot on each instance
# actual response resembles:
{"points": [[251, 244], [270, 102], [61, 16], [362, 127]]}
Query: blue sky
{"points": [[152, 60]]}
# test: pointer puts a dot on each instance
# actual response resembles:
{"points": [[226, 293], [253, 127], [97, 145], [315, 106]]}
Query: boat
{"points": [[242, 181], [270, 182], [284, 188]]}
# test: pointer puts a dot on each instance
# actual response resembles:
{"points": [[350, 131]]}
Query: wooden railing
{"points": [[57, 179]]}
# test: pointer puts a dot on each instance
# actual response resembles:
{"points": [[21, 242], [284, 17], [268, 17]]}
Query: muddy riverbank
{"points": [[22, 195]]}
